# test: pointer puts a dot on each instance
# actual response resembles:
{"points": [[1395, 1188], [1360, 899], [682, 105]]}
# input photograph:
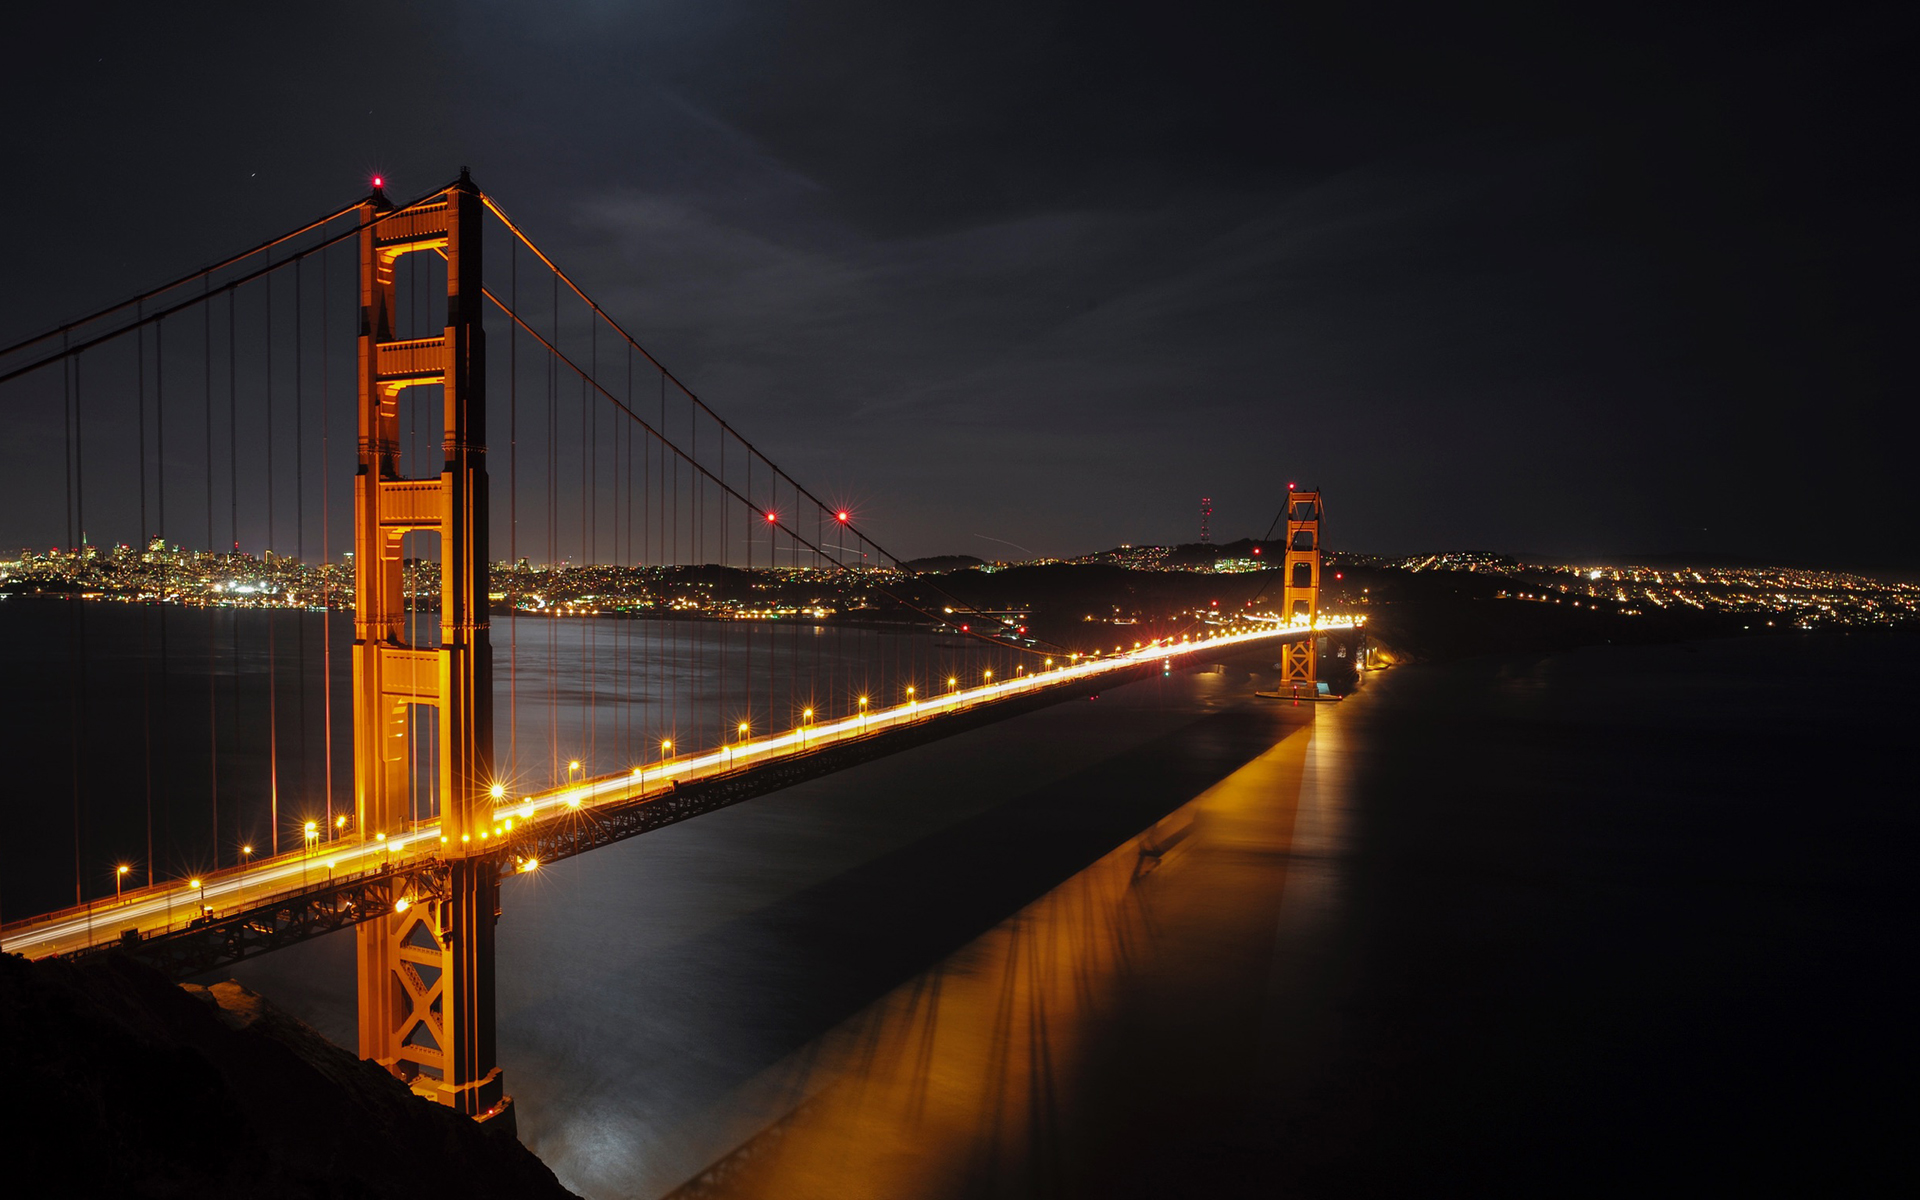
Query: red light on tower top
{"points": [[772, 517], [1289, 486], [842, 516], [379, 181]]}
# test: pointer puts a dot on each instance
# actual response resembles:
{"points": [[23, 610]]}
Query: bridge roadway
{"points": [[273, 901]]}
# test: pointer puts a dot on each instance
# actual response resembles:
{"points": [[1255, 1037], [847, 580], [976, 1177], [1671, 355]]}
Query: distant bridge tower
{"points": [[427, 972], [1302, 593], [1206, 520]]}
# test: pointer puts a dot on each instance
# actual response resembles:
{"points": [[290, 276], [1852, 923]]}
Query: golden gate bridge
{"points": [[641, 500]]}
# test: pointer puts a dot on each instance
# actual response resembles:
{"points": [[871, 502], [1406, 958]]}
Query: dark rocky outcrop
{"points": [[121, 1083]]}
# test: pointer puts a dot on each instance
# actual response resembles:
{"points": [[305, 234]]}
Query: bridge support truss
{"points": [[426, 972], [1301, 604]]}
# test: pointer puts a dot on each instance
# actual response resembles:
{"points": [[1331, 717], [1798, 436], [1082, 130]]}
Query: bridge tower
{"points": [[426, 974], [1302, 593]]}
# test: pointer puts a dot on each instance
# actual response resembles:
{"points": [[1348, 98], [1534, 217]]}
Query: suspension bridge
{"points": [[333, 732]]}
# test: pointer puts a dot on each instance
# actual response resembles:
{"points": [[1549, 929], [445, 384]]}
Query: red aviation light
{"points": [[843, 516], [379, 181], [1256, 552], [1289, 487], [772, 517]]}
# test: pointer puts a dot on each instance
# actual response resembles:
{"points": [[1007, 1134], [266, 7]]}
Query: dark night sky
{"points": [[1567, 279]]}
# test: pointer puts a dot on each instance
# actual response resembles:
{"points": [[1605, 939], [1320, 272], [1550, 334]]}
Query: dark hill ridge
{"points": [[124, 1084]]}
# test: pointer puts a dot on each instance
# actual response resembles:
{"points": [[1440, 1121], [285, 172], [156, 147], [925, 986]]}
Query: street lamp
{"points": [[953, 684], [202, 885], [571, 768], [312, 839], [119, 874], [666, 749], [989, 675], [909, 695], [806, 718], [246, 855], [863, 709]]}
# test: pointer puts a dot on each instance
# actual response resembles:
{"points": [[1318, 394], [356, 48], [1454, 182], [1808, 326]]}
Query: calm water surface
{"points": [[1617, 919]]}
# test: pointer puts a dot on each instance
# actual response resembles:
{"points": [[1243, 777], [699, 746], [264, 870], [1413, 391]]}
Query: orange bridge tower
{"points": [[1302, 593], [426, 972]]}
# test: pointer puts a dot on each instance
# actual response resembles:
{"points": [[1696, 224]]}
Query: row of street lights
{"points": [[311, 829]]}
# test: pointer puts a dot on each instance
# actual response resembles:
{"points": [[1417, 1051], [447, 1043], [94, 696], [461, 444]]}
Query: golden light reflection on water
{"points": [[1125, 1004]]}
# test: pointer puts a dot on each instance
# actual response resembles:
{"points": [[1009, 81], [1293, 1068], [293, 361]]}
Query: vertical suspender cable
{"points": [[553, 558], [213, 706], [160, 533], [273, 656], [233, 499], [587, 459], [146, 690], [513, 517], [326, 554], [300, 522], [73, 618]]}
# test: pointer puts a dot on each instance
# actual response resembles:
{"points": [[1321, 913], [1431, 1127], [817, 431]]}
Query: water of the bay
{"points": [[171, 739], [1606, 920], [1613, 919]]}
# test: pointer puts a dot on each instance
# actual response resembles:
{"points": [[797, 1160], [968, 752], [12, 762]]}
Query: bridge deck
{"points": [[241, 911]]}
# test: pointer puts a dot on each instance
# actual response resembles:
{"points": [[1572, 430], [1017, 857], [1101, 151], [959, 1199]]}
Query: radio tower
{"points": [[1206, 516]]}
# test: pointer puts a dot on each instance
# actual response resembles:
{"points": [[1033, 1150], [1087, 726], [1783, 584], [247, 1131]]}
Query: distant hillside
{"points": [[942, 562]]}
